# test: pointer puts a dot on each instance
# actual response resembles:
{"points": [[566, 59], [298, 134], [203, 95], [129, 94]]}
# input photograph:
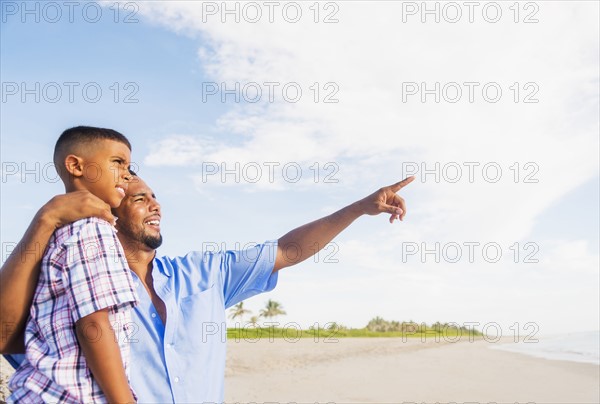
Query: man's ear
{"points": [[74, 165]]}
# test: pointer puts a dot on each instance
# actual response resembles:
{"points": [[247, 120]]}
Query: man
{"points": [[176, 355]]}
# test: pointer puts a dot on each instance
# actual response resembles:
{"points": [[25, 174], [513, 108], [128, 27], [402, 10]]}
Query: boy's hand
{"points": [[67, 208]]}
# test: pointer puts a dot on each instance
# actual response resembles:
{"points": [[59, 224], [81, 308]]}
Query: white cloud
{"points": [[370, 132], [180, 150]]}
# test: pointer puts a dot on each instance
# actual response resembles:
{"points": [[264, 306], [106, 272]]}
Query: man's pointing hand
{"points": [[386, 200]]}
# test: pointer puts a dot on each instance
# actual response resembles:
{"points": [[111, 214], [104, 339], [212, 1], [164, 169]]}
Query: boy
{"points": [[72, 352]]}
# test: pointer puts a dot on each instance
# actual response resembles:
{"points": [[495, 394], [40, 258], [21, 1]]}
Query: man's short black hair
{"points": [[73, 137]]}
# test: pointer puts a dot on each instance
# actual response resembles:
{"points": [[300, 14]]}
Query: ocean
{"points": [[577, 347]]}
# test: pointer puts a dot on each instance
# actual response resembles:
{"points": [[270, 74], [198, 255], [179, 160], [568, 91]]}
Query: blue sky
{"points": [[369, 138]]}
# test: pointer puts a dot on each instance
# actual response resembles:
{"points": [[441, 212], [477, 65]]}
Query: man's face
{"points": [[139, 216]]}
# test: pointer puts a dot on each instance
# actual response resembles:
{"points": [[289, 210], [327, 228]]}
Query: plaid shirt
{"points": [[83, 271]]}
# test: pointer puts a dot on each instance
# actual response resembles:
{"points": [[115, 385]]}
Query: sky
{"points": [[249, 119]]}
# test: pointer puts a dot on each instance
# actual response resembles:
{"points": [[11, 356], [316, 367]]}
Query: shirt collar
{"points": [[164, 269]]}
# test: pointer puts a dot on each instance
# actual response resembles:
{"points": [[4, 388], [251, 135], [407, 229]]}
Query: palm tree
{"points": [[238, 311], [272, 309], [254, 321]]}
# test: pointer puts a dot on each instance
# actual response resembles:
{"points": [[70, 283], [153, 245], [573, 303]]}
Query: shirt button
{"points": [[176, 380], [153, 315]]}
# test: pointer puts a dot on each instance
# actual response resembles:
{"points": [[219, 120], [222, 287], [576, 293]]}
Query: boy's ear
{"points": [[74, 165]]}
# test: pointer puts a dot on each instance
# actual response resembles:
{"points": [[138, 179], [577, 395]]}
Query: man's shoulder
{"points": [[192, 264], [217, 259], [192, 258]]}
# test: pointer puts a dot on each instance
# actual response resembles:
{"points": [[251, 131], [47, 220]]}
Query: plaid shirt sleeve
{"points": [[97, 275]]}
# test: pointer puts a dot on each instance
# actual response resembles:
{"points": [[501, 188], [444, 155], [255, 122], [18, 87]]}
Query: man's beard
{"points": [[150, 241]]}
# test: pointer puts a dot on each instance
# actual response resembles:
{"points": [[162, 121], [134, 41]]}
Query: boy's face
{"points": [[106, 171]]}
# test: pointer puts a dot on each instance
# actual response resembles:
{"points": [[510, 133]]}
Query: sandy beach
{"points": [[388, 370]]}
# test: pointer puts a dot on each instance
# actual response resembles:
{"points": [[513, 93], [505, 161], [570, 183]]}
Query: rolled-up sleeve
{"points": [[248, 272]]}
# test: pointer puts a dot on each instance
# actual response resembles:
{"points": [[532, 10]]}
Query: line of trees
{"points": [[378, 324], [272, 309]]}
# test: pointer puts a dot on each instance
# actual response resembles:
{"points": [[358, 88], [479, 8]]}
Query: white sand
{"points": [[6, 371], [388, 370]]}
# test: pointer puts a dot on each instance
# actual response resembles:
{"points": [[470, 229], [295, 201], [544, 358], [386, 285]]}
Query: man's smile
{"points": [[153, 222]]}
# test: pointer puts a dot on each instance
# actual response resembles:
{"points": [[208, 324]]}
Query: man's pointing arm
{"points": [[305, 241]]}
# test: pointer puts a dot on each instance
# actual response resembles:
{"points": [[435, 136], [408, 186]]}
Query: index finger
{"points": [[399, 185]]}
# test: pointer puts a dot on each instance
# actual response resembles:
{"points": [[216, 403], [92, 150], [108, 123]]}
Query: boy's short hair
{"points": [[70, 139]]}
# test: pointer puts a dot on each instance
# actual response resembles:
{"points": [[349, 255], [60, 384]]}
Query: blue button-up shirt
{"points": [[183, 361]]}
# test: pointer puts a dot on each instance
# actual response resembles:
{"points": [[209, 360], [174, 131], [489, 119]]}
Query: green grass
{"points": [[254, 334]]}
